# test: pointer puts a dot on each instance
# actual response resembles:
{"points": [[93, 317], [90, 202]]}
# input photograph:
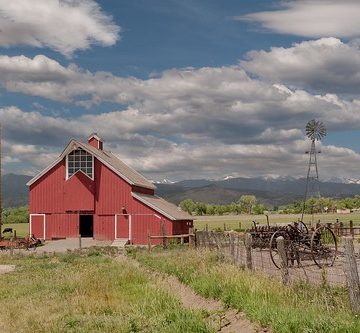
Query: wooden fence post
{"points": [[352, 229], [79, 241], [149, 241], [191, 235], [224, 226], [232, 247], [248, 244], [352, 274], [11, 246], [163, 231], [280, 245], [239, 225]]}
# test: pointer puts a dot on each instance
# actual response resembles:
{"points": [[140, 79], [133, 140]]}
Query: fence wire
{"points": [[230, 246]]}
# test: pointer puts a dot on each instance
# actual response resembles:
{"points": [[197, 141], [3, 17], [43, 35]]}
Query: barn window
{"points": [[80, 159]]}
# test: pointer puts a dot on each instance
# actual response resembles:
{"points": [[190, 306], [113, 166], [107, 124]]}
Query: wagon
{"points": [[302, 246]]}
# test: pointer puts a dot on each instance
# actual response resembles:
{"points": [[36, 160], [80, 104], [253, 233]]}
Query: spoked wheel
{"points": [[301, 226], [274, 253], [323, 247]]}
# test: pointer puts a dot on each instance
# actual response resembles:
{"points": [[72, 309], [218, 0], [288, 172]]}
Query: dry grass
{"points": [[244, 221], [298, 308], [92, 293]]}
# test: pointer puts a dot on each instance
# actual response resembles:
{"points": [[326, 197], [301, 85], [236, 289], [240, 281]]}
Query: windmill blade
{"points": [[315, 130]]}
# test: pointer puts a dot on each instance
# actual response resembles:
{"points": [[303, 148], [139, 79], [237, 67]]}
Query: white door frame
{"points": [[44, 224], [115, 225]]}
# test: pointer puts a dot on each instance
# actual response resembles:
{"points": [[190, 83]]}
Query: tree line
{"points": [[15, 215], [248, 204]]}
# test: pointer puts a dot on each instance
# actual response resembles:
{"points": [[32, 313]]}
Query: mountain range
{"points": [[270, 191]]}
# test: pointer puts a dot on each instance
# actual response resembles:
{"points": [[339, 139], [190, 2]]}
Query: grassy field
{"points": [[89, 293], [244, 221], [22, 229], [298, 308]]}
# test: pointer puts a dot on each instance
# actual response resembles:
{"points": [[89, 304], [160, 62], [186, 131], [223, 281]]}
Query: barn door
{"points": [[37, 225], [121, 226]]}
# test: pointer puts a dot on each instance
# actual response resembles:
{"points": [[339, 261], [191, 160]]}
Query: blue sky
{"points": [[182, 89]]}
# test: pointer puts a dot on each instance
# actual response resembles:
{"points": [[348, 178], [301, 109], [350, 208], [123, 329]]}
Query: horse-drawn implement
{"points": [[27, 242], [301, 245]]}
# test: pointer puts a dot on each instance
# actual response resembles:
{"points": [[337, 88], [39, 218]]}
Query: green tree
{"points": [[247, 202], [187, 205]]}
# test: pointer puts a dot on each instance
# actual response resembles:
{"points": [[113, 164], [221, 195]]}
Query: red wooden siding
{"points": [[62, 225], [79, 193], [37, 226], [104, 227], [122, 228], [108, 195], [46, 194]]}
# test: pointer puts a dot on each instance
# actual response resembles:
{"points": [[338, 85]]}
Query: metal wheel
{"points": [[301, 226], [274, 253], [323, 246]]}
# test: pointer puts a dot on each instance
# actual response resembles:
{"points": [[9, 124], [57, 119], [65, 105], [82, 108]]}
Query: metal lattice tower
{"points": [[315, 131]]}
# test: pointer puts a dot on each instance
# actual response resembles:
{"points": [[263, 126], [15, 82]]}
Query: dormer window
{"points": [[80, 160]]}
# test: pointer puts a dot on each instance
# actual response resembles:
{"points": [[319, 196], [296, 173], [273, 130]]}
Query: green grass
{"points": [[298, 308], [244, 221], [22, 229], [91, 293]]}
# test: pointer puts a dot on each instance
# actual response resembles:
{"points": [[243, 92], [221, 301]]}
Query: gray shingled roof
{"points": [[162, 206], [129, 174], [109, 159]]}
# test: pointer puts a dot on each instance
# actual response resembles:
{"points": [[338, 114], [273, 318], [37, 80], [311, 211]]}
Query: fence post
{"points": [[11, 246], [232, 247], [191, 235], [248, 244], [352, 229], [163, 231], [239, 225], [280, 245], [352, 274], [80, 241], [149, 241]]}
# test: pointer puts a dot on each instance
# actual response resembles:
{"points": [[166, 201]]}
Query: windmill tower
{"points": [[315, 131]]}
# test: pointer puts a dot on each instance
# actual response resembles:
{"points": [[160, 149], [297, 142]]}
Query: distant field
{"points": [[22, 229], [244, 221]]}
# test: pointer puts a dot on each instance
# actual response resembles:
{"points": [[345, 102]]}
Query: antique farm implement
{"points": [[318, 246], [27, 242]]}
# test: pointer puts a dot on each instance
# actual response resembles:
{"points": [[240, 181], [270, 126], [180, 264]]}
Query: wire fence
{"points": [[240, 250]]}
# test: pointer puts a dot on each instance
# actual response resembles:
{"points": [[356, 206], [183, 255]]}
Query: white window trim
{"points": [[67, 167]]}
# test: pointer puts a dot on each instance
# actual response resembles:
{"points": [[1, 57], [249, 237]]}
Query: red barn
{"points": [[89, 191]]}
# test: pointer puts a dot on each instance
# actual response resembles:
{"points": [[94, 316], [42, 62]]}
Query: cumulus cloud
{"points": [[312, 18], [203, 122], [62, 25], [326, 65]]}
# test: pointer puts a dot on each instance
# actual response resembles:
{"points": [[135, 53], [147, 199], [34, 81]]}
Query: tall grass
{"points": [[298, 308], [70, 293]]}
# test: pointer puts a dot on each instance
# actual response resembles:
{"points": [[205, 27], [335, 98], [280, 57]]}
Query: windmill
{"points": [[315, 131]]}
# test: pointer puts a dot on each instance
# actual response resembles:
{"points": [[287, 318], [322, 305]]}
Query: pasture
{"points": [[244, 221], [92, 292]]}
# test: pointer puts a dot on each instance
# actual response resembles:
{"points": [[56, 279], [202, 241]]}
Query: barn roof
{"points": [[107, 158], [162, 206]]}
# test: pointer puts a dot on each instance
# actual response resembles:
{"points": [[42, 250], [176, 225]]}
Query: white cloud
{"points": [[62, 25], [326, 65], [312, 18], [183, 123]]}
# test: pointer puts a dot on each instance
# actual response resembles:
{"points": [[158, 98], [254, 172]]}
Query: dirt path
{"points": [[221, 319]]}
